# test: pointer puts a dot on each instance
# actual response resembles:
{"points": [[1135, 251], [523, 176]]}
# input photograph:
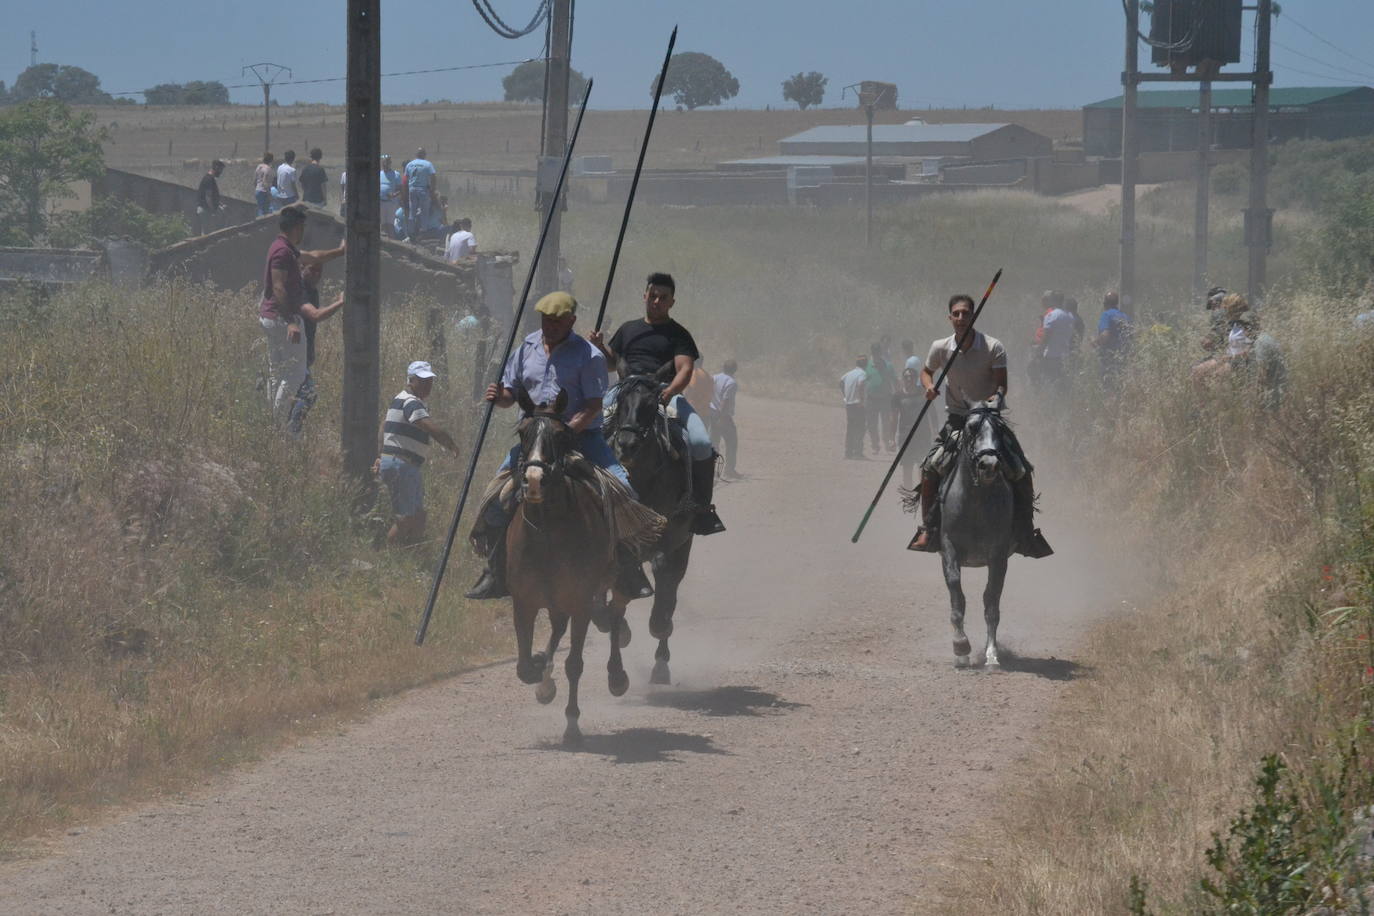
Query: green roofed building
{"points": [[1168, 118]]}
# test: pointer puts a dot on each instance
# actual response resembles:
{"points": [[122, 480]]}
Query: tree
{"points": [[72, 85], [195, 92], [696, 79], [112, 218], [44, 147], [526, 83], [805, 89]]}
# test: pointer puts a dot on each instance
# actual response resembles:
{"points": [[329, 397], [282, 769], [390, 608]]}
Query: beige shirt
{"points": [[970, 380]]}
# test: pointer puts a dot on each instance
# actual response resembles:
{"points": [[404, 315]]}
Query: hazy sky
{"points": [[978, 52]]}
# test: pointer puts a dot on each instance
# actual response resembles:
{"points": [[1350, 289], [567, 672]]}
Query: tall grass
{"points": [[175, 574]]}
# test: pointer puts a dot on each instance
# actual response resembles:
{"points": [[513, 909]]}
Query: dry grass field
{"points": [[499, 136]]}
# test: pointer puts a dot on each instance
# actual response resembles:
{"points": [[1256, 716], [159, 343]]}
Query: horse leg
{"points": [[661, 674], [547, 689], [992, 608], [954, 582], [526, 667], [572, 735], [617, 681], [668, 575]]}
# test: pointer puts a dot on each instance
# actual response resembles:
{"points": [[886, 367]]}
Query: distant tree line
{"points": [[195, 92], [76, 86]]}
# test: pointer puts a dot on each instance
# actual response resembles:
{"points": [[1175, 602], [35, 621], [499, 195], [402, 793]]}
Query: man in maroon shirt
{"points": [[279, 313]]}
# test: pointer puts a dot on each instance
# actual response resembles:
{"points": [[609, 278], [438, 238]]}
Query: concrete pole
{"points": [[555, 145], [868, 181], [1204, 186], [1258, 217], [1129, 150], [266, 117], [362, 318]]}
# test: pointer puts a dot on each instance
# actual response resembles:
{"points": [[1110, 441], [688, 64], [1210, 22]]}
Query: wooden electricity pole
{"points": [[1204, 186], [362, 319], [1130, 142], [1258, 217], [555, 141]]}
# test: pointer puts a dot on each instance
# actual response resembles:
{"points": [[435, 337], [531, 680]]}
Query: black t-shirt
{"points": [[312, 181], [208, 196], [645, 348]]}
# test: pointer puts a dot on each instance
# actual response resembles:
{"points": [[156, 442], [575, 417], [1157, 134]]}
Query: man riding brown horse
{"points": [[978, 374]]}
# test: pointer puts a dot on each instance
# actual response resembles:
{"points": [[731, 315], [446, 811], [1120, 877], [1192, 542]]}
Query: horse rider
{"points": [[550, 359], [979, 374], [644, 346]]}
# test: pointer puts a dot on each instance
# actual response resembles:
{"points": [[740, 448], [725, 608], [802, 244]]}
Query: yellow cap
{"points": [[557, 305]]}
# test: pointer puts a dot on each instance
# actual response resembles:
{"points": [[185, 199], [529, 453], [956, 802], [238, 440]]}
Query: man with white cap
{"points": [[551, 359], [405, 436]]}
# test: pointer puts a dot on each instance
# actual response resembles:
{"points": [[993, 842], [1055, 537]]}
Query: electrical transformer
{"points": [[1187, 33]]}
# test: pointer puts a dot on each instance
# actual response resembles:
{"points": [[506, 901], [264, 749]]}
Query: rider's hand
{"points": [[998, 401], [664, 397], [932, 393], [493, 392], [597, 339], [377, 466]]}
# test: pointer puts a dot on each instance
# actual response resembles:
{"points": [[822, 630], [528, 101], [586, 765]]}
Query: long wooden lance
{"points": [[510, 344], [634, 182], [911, 433]]}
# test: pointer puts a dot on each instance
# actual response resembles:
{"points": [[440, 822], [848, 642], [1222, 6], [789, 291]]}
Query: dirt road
{"points": [[817, 754]]}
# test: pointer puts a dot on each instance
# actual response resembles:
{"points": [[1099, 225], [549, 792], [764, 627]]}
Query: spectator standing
{"points": [[1058, 345], [420, 177], [700, 391], [312, 314], [313, 180], [565, 274], [462, 243], [264, 179], [390, 190], [724, 387], [906, 407], [288, 190], [909, 358], [343, 194], [853, 388], [208, 204], [881, 386], [1113, 337], [405, 436], [1035, 366]]}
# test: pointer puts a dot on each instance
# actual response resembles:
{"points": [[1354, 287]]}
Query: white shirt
{"points": [[1058, 334], [853, 383], [286, 180], [970, 379], [461, 244]]}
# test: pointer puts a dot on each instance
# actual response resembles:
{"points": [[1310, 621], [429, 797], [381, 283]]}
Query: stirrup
{"points": [[932, 542], [707, 522], [487, 587], [1036, 547], [631, 582]]}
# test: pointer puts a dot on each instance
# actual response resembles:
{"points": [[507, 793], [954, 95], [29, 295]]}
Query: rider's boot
{"points": [[492, 583], [630, 580], [926, 539], [1029, 541], [703, 485]]}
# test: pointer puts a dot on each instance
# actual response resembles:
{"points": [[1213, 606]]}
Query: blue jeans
{"points": [[264, 199], [698, 437], [402, 481], [419, 211]]}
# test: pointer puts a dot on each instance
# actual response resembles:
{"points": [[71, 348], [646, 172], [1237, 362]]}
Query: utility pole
{"points": [[868, 179], [1130, 143], [1204, 186], [267, 74], [33, 49], [1259, 218], [556, 78], [362, 318]]}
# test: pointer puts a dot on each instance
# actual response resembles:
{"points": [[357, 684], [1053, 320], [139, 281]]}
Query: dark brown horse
{"points": [[560, 554], [639, 436]]}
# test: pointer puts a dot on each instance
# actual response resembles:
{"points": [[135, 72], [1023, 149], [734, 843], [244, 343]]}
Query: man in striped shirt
{"points": [[405, 437]]}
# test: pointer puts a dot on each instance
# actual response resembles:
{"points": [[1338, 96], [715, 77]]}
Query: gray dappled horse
{"points": [[976, 527], [638, 433]]}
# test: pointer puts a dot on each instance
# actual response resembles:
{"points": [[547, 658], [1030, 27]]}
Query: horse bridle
{"points": [[640, 431], [985, 414], [550, 468]]}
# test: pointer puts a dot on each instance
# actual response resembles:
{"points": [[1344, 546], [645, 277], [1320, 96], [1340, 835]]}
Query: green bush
{"points": [[112, 218]]}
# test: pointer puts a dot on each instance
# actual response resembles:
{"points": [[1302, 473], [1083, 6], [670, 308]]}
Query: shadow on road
{"points": [[639, 745], [722, 701], [1052, 669]]}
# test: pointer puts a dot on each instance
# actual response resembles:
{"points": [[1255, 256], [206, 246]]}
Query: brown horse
{"points": [[560, 553]]}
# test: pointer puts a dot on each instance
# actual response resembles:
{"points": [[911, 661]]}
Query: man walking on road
{"points": [[724, 389], [853, 386]]}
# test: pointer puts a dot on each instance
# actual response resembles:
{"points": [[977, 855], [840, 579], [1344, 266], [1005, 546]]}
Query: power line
{"points": [[1329, 44], [340, 79], [492, 19], [1320, 76], [1318, 60]]}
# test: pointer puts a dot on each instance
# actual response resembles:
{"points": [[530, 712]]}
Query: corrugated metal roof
{"points": [[893, 133], [1232, 98], [785, 161]]}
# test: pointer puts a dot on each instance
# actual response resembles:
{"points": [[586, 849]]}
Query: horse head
{"points": [[983, 440], [545, 441], [638, 417]]}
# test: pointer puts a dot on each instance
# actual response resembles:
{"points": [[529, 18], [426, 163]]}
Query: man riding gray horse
{"points": [[657, 344], [979, 374]]}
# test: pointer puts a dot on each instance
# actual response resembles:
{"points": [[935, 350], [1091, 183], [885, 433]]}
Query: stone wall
{"points": [[167, 198]]}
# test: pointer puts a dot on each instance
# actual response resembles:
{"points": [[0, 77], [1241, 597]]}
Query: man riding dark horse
{"points": [[657, 344], [551, 360], [979, 374]]}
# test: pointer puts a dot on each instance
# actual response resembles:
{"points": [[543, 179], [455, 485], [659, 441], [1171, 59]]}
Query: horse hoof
{"points": [[962, 648], [660, 675], [660, 629], [572, 736], [529, 674], [961, 661], [618, 682], [992, 663], [624, 634], [546, 691]]}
